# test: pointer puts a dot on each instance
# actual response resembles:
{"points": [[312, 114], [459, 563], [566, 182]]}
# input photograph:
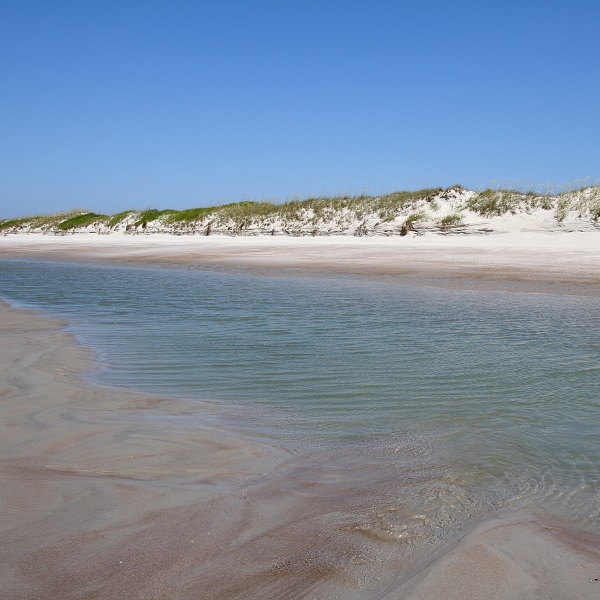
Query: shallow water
{"points": [[488, 397]]}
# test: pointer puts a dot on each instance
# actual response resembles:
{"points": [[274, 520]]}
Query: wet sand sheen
{"points": [[105, 495], [88, 478], [110, 494]]}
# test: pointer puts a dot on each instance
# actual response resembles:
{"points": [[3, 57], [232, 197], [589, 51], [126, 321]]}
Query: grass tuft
{"points": [[452, 220]]}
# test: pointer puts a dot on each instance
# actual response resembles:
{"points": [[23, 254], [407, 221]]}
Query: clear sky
{"points": [[129, 104]]}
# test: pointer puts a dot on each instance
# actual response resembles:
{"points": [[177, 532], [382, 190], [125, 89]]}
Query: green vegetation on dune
{"points": [[498, 202], [41, 221], [413, 218], [188, 215], [82, 221], [345, 213], [242, 214], [119, 217], [150, 215], [386, 206], [452, 220], [8, 223]]}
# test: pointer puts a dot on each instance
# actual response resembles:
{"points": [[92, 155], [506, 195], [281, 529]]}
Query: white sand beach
{"points": [[535, 258]]}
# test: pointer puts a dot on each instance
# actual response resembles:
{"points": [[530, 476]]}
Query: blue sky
{"points": [[130, 104]]}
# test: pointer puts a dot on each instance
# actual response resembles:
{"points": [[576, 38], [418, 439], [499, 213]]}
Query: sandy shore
{"points": [[535, 261], [110, 494], [512, 557], [102, 491]]}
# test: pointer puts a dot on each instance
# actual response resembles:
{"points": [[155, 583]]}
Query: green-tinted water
{"points": [[500, 389]]}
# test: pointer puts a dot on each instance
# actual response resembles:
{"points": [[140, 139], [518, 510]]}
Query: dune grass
{"points": [[497, 202], [189, 215], [114, 220], [152, 214], [82, 221], [338, 213], [239, 215], [452, 220], [41, 221]]}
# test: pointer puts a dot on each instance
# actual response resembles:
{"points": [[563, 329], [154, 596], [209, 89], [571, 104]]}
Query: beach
{"points": [[114, 494], [535, 260]]}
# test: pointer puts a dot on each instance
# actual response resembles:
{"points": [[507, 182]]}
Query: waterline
{"points": [[497, 392]]}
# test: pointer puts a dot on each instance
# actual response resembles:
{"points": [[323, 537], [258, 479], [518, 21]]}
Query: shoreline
{"points": [[105, 495], [105, 458], [519, 261], [80, 462]]}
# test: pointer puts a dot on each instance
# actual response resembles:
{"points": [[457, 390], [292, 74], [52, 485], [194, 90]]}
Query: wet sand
{"points": [[102, 491], [110, 494], [513, 556]]}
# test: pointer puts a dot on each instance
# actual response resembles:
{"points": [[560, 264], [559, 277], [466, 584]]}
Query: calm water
{"points": [[501, 388]]}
